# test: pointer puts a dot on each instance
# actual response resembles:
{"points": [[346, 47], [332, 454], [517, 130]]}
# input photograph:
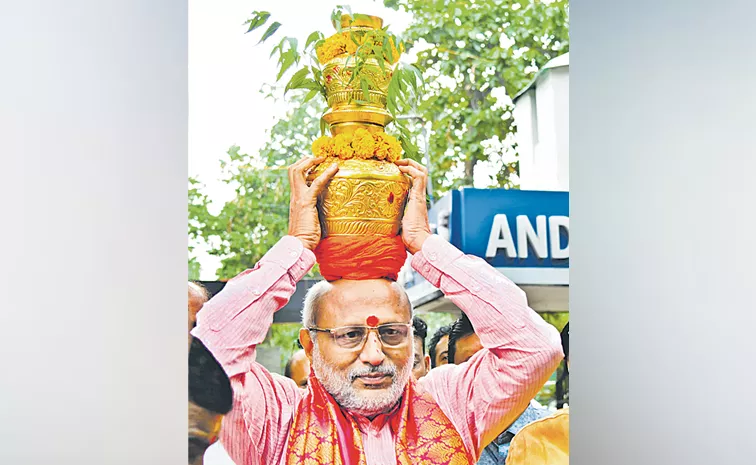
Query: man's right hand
{"points": [[303, 212]]}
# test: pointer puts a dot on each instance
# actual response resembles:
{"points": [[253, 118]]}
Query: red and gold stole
{"points": [[322, 434]]}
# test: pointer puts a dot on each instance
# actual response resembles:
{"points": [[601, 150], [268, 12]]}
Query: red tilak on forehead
{"points": [[372, 320]]}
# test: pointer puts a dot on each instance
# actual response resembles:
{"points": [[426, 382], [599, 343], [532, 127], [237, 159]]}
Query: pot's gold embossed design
{"points": [[366, 197], [343, 90]]}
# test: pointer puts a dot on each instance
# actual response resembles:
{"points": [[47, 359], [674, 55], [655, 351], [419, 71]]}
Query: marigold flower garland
{"points": [[342, 43], [362, 144]]}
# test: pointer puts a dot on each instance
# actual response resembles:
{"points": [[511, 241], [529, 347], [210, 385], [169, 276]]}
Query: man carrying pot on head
{"points": [[361, 405]]}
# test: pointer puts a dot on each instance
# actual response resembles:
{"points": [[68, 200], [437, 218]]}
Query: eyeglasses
{"points": [[352, 337]]}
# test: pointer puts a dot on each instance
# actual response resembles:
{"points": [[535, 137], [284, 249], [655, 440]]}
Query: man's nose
{"points": [[372, 352]]}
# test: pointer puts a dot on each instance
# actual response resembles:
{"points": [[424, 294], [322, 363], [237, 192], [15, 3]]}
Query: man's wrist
{"points": [[305, 243], [417, 244]]}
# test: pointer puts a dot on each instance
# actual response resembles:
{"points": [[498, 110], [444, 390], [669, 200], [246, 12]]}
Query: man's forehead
{"points": [[442, 346], [419, 344], [369, 316], [372, 290]]}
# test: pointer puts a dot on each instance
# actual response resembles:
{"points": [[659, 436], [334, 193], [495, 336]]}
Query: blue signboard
{"points": [[523, 233]]}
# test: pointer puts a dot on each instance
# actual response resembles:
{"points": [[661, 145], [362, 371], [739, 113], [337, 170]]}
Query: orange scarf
{"points": [[360, 257], [322, 434]]}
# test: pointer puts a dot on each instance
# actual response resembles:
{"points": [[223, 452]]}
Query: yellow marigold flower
{"points": [[339, 44], [394, 148], [382, 152], [320, 51], [340, 41], [342, 146], [329, 52], [363, 144], [336, 45], [322, 147], [351, 47], [381, 146]]}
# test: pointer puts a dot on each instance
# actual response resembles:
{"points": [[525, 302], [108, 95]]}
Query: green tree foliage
{"points": [[258, 216], [547, 395], [283, 336], [435, 320], [197, 217], [556, 319], [194, 268], [475, 56]]}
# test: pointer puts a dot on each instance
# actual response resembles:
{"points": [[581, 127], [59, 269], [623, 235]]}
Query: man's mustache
{"points": [[380, 369]]}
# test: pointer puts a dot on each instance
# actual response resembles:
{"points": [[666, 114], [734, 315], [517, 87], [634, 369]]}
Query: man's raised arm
{"points": [[232, 323], [520, 351]]}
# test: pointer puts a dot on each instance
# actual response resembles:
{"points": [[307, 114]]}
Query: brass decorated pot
{"points": [[365, 197]]}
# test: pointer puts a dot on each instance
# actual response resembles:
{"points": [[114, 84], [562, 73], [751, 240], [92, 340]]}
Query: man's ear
{"points": [[427, 363], [305, 338]]}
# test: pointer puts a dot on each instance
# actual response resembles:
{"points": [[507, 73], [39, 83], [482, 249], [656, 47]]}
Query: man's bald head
{"points": [[298, 368], [197, 298], [343, 287]]}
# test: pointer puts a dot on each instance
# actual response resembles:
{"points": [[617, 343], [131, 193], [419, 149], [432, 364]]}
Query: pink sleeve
{"points": [[231, 325], [487, 393]]}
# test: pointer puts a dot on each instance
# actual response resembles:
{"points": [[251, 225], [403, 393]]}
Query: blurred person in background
{"points": [[210, 397], [464, 344], [421, 363], [298, 368], [546, 441], [438, 347], [197, 297]]}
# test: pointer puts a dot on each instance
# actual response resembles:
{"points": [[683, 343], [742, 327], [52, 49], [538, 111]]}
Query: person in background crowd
{"points": [[421, 363], [298, 368], [197, 297], [463, 345], [210, 394], [546, 441], [438, 347], [210, 397], [563, 382]]}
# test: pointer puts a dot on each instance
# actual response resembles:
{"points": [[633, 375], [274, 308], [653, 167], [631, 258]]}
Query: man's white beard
{"points": [[340, 386]]}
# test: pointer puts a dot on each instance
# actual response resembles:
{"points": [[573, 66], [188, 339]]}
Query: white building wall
{"points": [[542, 117]]}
